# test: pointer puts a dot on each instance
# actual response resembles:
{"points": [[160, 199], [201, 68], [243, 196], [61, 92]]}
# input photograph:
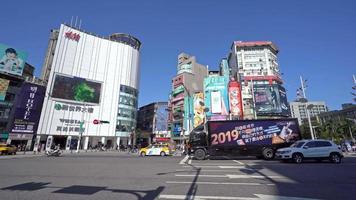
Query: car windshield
{"points": [[297, 144]]}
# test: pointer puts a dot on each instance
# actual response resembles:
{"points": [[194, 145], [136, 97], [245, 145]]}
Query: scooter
{"points": [[54, 152]]}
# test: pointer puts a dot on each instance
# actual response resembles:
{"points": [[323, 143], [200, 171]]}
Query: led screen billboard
{"points": [[76, 89], [12, 61], [270, 99]]}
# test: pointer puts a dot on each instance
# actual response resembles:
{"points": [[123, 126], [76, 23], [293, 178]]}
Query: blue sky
{"points": [[317, 39]]}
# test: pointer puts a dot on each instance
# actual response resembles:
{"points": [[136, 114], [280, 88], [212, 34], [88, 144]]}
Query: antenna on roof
{"points": [[80, 24], [76, 19], [71, 22]]}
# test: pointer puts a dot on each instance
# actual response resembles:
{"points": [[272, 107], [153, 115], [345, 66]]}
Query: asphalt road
{"points": [[113, 175]]}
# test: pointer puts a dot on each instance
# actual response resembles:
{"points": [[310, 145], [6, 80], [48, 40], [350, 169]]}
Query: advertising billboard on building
{"points": [[253, 132], [28, 108], [4, 84], [76, 89], [12, 61], [198, 109], [216, 97], [270, 99], [235, 99]]}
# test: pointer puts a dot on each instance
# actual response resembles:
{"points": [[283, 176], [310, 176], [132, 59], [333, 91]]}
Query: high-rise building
{"points": [[92, 89], [47, 65], [299, 109], [187, 82], [12, 106], [152, 121], [254, 65]]}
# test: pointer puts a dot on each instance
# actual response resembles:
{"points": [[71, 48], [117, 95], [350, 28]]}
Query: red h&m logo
{"points": [[72, 36]]}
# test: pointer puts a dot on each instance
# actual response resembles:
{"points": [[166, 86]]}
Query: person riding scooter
{"points": [[56, 151]]}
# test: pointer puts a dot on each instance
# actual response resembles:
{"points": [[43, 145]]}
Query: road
{"points": [[113, 175]]}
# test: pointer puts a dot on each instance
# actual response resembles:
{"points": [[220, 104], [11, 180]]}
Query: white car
{"points": [[311, 149]]}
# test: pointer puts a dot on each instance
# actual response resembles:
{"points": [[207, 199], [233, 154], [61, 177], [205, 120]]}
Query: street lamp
{"points": [[309, 107], [81, 129]]}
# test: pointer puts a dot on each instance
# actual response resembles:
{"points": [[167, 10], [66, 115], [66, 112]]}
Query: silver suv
{"points": [[311, 149]]}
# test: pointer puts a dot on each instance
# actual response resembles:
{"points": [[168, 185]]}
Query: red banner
{"points": [[235, 99]]}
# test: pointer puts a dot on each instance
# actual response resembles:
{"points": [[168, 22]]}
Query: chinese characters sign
{"points": [[28, 109], [72, 36], [253, 132], [235, 99]]}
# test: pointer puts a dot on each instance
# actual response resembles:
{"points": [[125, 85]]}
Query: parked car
{"points": [[7, 149], [155, 150], [311, 149]]}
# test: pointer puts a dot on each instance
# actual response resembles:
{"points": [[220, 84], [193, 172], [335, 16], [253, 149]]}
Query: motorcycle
{"points": [[54, 152]]}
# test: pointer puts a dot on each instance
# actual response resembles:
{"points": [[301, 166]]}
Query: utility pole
{"points": [[307, 106]]}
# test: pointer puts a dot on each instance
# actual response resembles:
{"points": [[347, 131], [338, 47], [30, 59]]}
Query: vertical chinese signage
{"points": [[4, 84], [198, 109], [235, 99], [28, 109]]}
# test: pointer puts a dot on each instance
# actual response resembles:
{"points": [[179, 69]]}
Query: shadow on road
{"points": [[85, 190]]}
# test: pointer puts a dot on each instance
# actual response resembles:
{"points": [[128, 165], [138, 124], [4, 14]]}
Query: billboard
{"points": [[235, 99], [76, 89], [253, 132], [216, 97], [28, 106], [4, 84], [270, 99], [12, 61], [198, 103]]}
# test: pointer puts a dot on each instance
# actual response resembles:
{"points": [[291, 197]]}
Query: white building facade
{"points": [[103, 75], [255, 65], [299, 109]]}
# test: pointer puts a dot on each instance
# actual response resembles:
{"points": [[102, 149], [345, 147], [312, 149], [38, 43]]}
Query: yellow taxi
{"points": [[155, 150], [7, 149]]}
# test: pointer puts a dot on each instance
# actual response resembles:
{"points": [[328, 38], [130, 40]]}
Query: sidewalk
{"points": [[350, 154]]}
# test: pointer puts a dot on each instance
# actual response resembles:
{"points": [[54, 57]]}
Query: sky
{"points": [[316, 38]]}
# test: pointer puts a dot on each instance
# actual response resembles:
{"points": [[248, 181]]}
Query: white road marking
{"points": [[219, 183], [190, 162], [216, 170], [169, 196], [184, 160], [241, 163], [220, 167], [232, 176], [258, 197], [193, 175]]}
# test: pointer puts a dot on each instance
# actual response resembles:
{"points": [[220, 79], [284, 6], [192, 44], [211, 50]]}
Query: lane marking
{"points": [[241, 163], [220, 183], [184, 160], [201, 175], [258, 197], [191, 197], [233, 176], [190, 162], [216, 170]]}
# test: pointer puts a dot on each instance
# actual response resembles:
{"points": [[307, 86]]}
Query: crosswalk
{"points": [[223, 179]]}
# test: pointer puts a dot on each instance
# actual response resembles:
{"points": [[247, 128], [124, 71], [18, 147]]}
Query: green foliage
{"points": [[83, 92], [336, 130]]}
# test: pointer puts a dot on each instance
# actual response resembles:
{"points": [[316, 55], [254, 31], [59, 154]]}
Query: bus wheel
{"points": [[199, 154], [268, 153]]}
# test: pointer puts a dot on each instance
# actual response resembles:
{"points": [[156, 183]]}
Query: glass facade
{"points": [[127, 111]]}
